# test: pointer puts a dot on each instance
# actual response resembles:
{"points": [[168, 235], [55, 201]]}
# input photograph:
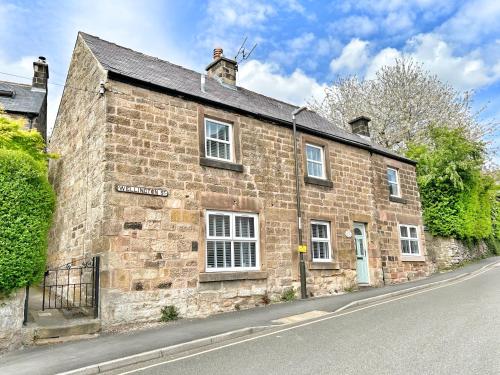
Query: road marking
{"points": [[331, 316], [301, 317]]}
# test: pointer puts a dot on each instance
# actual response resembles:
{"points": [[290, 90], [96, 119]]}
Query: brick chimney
{"points": [[40, 73], [223, 68], [359, 126]]}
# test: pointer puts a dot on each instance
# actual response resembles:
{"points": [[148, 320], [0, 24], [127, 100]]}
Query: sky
{"points": [[302, 45]]}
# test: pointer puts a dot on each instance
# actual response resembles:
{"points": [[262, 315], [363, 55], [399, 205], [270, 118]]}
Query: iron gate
{"points": [[72, 285]]}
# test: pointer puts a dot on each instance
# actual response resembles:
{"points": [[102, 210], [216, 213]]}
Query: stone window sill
{"points": [[397, 199], [324, 266], [318, 181], [208, 277], [412, 258], [207, 162]]}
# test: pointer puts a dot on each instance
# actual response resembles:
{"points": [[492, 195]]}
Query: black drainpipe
{"points": [[302, 269]]}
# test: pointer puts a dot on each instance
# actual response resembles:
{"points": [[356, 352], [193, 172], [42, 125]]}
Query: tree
{"points": [[457, 197], [26, 206], [403, 101], [13, 136]]}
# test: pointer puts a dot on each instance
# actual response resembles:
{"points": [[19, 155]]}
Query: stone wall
{"points": [[77, 175], [446, 252], [154, 247], [11, 321]]}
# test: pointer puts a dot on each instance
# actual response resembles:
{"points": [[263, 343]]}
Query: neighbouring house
{"points": [[184, 184], [28, 102]]}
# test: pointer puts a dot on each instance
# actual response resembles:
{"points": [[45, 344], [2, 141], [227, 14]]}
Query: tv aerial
{"points": [[243, 53]]}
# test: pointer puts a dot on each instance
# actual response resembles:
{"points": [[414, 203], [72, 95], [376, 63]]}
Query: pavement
{"points": [[52, 359]]}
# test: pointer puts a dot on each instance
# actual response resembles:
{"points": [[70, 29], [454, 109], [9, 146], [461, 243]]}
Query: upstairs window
{"points": [[320, 241], [393, 180], [409, 240], [218, 140], [232, 241], [315, 161]]}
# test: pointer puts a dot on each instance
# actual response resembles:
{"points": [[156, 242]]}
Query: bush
{"points": [[26, 206], [457, 197], [288, 295], [169, 313]]}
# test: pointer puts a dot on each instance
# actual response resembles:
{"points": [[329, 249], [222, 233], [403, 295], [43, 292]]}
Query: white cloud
{"points": [[302, 41], [354, 25], [399, 21], [354, 56], [227, 21], [240, 13], [22, 67], [472, 22], [267, 79], [463, 72], [386, 57]]}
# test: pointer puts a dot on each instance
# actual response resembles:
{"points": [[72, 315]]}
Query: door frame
{"points": [[365, 240]]}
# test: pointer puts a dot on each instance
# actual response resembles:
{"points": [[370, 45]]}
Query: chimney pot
{"points": [[359, 126], [218, 53]]}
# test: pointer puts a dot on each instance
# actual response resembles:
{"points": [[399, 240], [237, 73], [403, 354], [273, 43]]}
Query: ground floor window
{"points": [[409, 239], [320, 241], [232, 241]]}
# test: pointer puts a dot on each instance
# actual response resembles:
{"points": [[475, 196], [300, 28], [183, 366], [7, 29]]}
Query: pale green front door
{"points": [[361, 253]]}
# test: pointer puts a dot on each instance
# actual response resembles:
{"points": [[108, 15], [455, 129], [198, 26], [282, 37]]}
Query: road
{"points": [[449, 329]]}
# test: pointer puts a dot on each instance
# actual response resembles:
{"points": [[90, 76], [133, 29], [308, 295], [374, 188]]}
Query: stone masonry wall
{"points": [[446, 252], [77, 176], [11, 321]]}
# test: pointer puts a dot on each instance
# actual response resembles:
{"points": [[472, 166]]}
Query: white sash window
{"points": [[320, 241], [232, 241]]}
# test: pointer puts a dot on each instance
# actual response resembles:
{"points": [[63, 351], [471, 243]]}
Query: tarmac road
{"points": [[450, 329]]}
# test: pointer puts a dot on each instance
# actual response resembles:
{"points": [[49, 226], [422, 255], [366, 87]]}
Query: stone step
{"points": [[68, 328]]}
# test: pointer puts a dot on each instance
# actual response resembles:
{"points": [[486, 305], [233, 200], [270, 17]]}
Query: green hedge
{"points": [[26, 206], [458, 199]]}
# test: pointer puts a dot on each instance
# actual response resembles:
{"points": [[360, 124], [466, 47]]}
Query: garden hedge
{"points": [[26, 205]]}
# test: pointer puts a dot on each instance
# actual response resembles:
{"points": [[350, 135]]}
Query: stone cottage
{"points": [[185, 185], [28, 102]]}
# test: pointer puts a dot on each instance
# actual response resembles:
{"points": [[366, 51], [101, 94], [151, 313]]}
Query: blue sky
{"points": [[302, 44]]}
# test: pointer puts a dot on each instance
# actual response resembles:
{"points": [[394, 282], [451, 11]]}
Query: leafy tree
{"points": [[13, 136], [403, 101], [457, 197], [26, 206]]}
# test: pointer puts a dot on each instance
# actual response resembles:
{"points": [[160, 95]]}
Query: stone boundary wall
{"points": [[11, 321], [446, 252]]}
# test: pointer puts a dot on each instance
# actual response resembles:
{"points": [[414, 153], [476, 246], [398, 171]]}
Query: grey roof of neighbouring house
{"points": [[153, 71], [21, 98]]}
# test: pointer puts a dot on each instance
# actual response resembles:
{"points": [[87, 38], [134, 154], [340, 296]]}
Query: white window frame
{"points": [[233, 239], [317, 239], [401, 238], [230, 142], [398, 185], [323, 168]]}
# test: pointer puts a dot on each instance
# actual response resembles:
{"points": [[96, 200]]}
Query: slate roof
{"points": [[151, 70], [21, 98]]}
